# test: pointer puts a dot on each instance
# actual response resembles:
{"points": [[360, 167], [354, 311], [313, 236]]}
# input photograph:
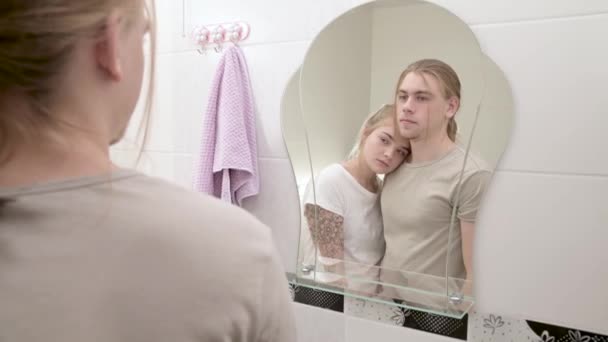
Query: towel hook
{"points": [[236, 32], [219, 36], [202, 38]]}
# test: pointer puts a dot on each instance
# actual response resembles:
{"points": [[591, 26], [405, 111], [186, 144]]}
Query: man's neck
{"points": [[430, 149]]}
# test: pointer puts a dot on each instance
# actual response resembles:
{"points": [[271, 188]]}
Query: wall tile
{"points": [[319, 325], [557, 70], [541, 249], [277, 206], [278, 21], [271, 21], [182, 84], [184, 80], [170, 29], [271, 67], [479, 12], [362, 330]]}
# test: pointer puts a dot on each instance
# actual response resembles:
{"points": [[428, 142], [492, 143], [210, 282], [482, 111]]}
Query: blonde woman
{"points": [[343, 218], [90, 252]]}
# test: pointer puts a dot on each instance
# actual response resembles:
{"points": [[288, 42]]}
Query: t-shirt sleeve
{"points": [[327, 195], [471, 193], [329, 236]]}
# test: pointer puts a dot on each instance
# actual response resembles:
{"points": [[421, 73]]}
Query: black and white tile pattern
{"points": [[478, 327]]}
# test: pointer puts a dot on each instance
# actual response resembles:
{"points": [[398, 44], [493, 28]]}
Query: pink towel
{"points": [[228, 167]]}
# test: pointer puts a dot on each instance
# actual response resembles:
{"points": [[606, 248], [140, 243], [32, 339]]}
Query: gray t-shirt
{"points": [[417, 202], [126, 257]]}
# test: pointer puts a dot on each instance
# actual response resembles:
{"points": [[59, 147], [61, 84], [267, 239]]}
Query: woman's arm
{"points": [[327, 232]]}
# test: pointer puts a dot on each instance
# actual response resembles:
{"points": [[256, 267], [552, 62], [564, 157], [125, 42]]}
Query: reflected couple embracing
{"points": [[387, 209]]}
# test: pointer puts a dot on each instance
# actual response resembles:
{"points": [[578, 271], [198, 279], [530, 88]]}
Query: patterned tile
{"points": [[482, 327]]}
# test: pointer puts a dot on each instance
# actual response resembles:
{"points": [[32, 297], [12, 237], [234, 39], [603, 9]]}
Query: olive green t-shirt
{"points": [[417, 203]]}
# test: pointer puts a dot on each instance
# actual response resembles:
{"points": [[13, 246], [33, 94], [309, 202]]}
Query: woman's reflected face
{"points": [[384, 150]]}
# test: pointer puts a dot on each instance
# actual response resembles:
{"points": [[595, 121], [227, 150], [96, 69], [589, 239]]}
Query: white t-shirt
{"points": [[339, 192]]}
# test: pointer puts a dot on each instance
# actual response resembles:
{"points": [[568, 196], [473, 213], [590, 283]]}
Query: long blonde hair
{"points": [[37, 38], [448, 79], [373, 121]]}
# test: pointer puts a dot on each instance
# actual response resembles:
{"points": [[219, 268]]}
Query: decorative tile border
{"points": [[478, 327], [379, 312], [494, 328]]}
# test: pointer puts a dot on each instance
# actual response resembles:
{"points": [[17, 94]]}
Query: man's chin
{"points": [[407, 134]]}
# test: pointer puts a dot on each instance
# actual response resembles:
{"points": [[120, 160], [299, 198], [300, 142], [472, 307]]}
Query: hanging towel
{"points": [[227, 167]]}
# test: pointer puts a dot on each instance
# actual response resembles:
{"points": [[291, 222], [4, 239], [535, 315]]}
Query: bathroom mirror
{"points": [[381, 210]]}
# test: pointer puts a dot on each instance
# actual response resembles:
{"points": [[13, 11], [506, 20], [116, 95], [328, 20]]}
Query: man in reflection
{"points": [[439, 181]]}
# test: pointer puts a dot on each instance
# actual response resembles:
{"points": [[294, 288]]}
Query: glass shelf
{"points": [[449, 297]]}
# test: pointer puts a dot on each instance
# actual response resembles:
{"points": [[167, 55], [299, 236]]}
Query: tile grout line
{"points": [[539, 20], [472, 25], [244, 46], [187, 154], [498, 170], [552, 173]]}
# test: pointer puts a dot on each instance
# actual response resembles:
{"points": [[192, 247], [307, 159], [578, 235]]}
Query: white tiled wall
{"points": [[543, 234], [544, 229]]}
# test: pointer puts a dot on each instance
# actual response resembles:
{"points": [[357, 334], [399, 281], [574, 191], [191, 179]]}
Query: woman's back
{"points": [[132, 258]]}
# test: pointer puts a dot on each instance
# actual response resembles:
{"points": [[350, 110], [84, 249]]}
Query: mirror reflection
{"points": [[342, 212], [430, 204], [393, 147]]}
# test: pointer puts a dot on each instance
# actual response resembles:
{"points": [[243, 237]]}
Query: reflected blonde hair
{"points": [[37, 38], [448, 80], [374, 120]]}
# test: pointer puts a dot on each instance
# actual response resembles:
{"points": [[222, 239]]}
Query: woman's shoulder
{"points": [[175, 212], [332, 173], [221, 253], [329, 186], [162, 225], [184, 199]]}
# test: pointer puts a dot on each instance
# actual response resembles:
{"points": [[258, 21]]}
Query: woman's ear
{"points": [[107, 47], [365, 133]]}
